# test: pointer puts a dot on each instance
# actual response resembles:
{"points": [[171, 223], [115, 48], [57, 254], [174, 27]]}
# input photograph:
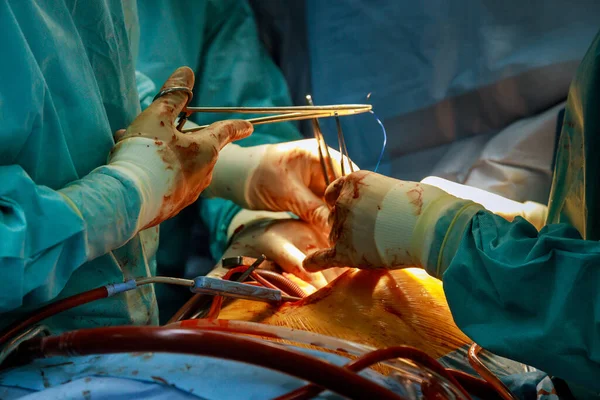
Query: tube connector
{"points": [[220, 287]]}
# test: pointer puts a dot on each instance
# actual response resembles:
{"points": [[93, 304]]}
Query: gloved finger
{"points": [[320, 218], [290, 258], [331, 274], [306, 205], [171, 104], [321, 239], [305, 286], [318, 183], [324, 259], [225, 132], [120, 134], [334, 190]]}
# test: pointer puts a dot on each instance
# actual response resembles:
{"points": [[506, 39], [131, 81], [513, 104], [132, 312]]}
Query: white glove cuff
{"points": [[396, 221], [153, 178], [491, 201], [233, 172]]}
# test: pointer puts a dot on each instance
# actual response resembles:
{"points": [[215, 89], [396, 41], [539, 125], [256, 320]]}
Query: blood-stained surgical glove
{"points": [[153, 172], [380, 222], [275, 177], [286, 242], [170, 168]]}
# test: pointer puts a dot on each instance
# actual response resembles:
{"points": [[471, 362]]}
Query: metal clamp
{"points": [[238, 290]]}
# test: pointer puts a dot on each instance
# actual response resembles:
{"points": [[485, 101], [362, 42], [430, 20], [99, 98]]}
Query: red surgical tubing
{"points": [[377, 356], [221, 345], [50, 310]]}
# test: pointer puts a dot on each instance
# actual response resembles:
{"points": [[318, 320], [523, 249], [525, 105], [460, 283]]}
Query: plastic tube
{"points": [[265, 282], [401, 367], [193, 341], [276, 332], [191, 306], [50, 310], [377, 356], [488, 375], [281, 282], [476, 387], [189, 309], [217, 302], [83, 298]]}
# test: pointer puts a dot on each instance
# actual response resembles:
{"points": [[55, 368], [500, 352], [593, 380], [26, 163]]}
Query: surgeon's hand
{"points": [[285, 242], [373, 219], [170, 168], [276, 177]]}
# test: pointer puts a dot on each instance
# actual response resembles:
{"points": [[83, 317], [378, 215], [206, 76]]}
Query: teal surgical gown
{"points": [[535, 296], [68, 82]]}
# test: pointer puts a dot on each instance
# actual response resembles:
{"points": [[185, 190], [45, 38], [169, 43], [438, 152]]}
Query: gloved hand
{"points": [[275, 177], [170, 168], [286, 242], [377, 222]]}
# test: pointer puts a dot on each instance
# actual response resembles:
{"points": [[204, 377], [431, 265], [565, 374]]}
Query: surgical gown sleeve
{"points": [[527, 295], [50, 136], [45, 235]]}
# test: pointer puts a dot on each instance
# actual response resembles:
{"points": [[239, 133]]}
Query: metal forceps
{"points": [[285, 114], [324, 154]]}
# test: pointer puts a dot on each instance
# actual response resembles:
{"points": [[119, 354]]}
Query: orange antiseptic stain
{"points": [[376, 308], [158, 142]]}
